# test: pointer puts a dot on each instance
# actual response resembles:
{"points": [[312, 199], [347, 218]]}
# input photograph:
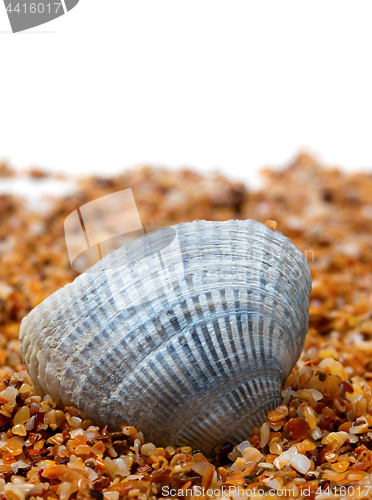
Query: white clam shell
{"points": [[195, 355]]}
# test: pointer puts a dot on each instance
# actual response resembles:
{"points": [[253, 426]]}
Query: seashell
{"points": [[194, 352]]}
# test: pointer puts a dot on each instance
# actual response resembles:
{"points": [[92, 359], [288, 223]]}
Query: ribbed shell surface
{"points": [[195, 356]]}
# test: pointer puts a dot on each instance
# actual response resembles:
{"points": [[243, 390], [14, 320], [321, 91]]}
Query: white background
{"points": [[235, 85]]}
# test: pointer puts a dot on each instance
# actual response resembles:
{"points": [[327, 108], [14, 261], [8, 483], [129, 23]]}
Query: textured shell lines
{"points": [[194, 356]]}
